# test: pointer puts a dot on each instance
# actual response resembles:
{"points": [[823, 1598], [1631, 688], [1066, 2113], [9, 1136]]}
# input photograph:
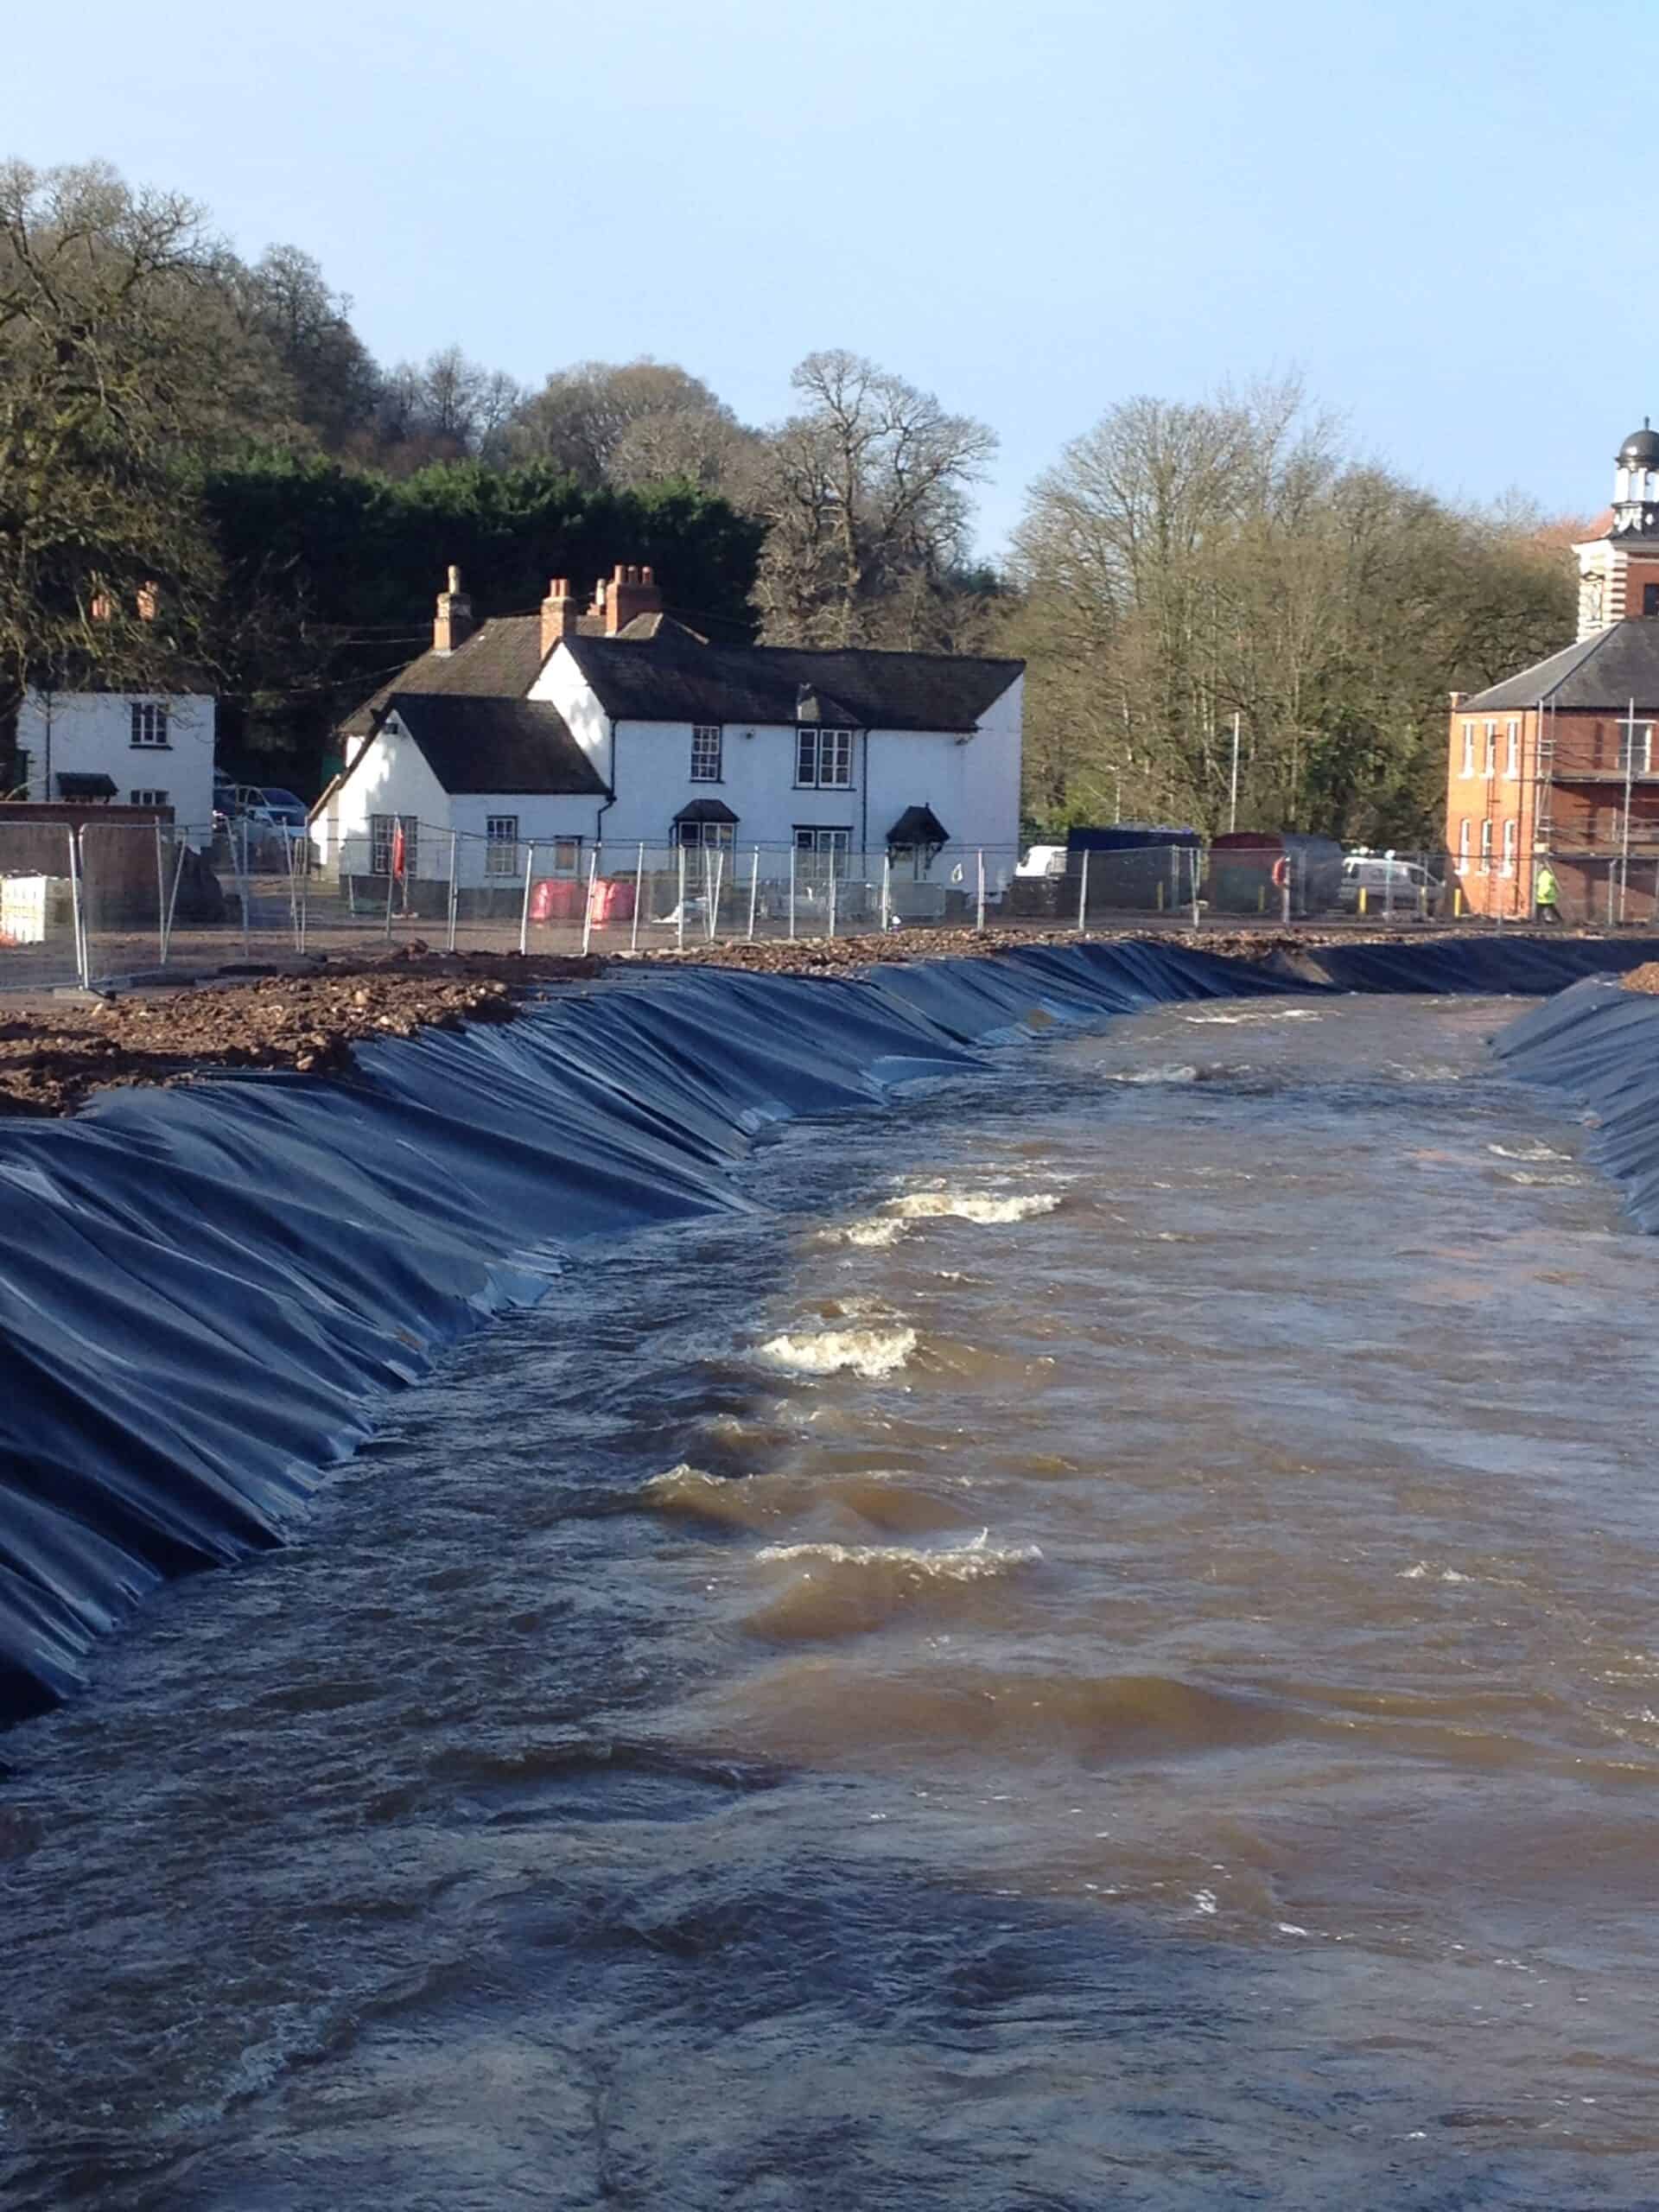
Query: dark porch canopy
{"points": [[918, 825], [86, 786], [706, 810]]}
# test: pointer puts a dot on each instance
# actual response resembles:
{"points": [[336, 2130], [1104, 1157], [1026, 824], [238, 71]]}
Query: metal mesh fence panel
{"points": [[116, 899], [39, 945]]}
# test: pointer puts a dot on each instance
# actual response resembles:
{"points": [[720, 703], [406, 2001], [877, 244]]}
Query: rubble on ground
{"points": [[55, 1053]]}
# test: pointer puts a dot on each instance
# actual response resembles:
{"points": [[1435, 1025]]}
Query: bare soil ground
{"points": [[56, 1053]]}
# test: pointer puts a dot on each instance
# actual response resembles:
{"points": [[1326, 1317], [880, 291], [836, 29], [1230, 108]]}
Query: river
{"points": [[1097, 1646]]}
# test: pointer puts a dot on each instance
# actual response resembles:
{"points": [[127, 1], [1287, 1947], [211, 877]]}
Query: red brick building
{"points": [[1559, 761]]}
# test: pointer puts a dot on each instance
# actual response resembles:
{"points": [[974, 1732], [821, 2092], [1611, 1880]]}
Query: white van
{"points": [[1401, 887], [1043, 860]]}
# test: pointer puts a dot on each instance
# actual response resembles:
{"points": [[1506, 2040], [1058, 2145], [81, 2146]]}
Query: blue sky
{"points": [[1437, 212]]}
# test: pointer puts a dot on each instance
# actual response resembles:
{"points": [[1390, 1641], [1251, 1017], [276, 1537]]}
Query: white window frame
{"points": [[1463, 846], [500, 845], [1468, 749], [824, 758], [149, 726], [566, 854], [1488, 750], [1512, 763], [708, 752], [828, 843], [383, 830], [148, 798], [1644, 735], [1485, 867], [1511, 829], [705, 836]]}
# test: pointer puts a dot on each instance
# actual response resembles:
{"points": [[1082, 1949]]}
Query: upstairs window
{"points": [[1512, 763], [705, 753], [824, 758], [1635, 748], [149, 722], [1491, 749], [1468, 749]]}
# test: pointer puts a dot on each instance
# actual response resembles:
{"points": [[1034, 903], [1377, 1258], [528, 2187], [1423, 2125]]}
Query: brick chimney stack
{"points": [[560, 614], [630, 592], [453, 623], [1458, 698]]}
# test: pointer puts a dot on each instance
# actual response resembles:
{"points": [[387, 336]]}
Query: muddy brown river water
{"points": [[1099, 1647]]}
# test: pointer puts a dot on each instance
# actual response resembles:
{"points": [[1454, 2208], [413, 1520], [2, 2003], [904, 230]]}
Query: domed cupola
{"points": [[1636, 485]]}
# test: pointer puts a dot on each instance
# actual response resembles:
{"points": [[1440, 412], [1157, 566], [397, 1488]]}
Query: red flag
{"points": [[397, 850]]}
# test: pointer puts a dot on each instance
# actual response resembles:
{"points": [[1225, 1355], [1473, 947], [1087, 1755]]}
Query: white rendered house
{"points": [[132, 748], [620, 726]]}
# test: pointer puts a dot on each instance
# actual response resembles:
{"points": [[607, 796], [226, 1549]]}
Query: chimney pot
{"points": [[633, 592], [452, 624], [559, 613]]}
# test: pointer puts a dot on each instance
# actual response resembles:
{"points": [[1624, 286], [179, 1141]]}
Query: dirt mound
{"points": [[54, 1055], [1645, 978]]}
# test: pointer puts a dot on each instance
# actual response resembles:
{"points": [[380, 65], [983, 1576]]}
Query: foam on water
{"points": [[833, 1590], [979, 1206], [871, 1353], [974, 1561], [873, 1235]]}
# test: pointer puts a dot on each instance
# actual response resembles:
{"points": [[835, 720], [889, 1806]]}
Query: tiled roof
{"points": [[671, 679], [1604, 670], [500, 660], [516, 746], [454, 703]]}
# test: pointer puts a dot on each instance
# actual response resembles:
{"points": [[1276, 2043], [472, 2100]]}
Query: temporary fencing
{"points": [[116, 899], [40, 909]]}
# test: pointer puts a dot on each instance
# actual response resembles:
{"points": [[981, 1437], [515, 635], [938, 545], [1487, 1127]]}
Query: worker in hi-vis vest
{"points": [[1547, 894]]}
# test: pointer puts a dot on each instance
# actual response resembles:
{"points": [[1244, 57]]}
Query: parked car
{"points": [[1408, 886], [264, 807]]}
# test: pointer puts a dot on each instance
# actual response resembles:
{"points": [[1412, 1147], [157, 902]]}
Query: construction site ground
{"points": [[306, 1013]]}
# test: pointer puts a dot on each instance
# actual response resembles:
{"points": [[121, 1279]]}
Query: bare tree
{"points": [[333, 384], [1186, 563], [115, 366], [600, 417], [864, 495]]}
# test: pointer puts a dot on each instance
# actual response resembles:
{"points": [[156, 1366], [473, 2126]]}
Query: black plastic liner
{"points": [[205, 1293], [1600, 1044], [1531, 966]]}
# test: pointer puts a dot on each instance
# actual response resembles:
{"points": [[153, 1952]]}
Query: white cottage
{"points": [[136, 748], [619, 724]]}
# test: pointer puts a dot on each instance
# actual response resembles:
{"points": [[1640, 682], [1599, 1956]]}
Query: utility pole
{"points": [[1232, 797]]}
